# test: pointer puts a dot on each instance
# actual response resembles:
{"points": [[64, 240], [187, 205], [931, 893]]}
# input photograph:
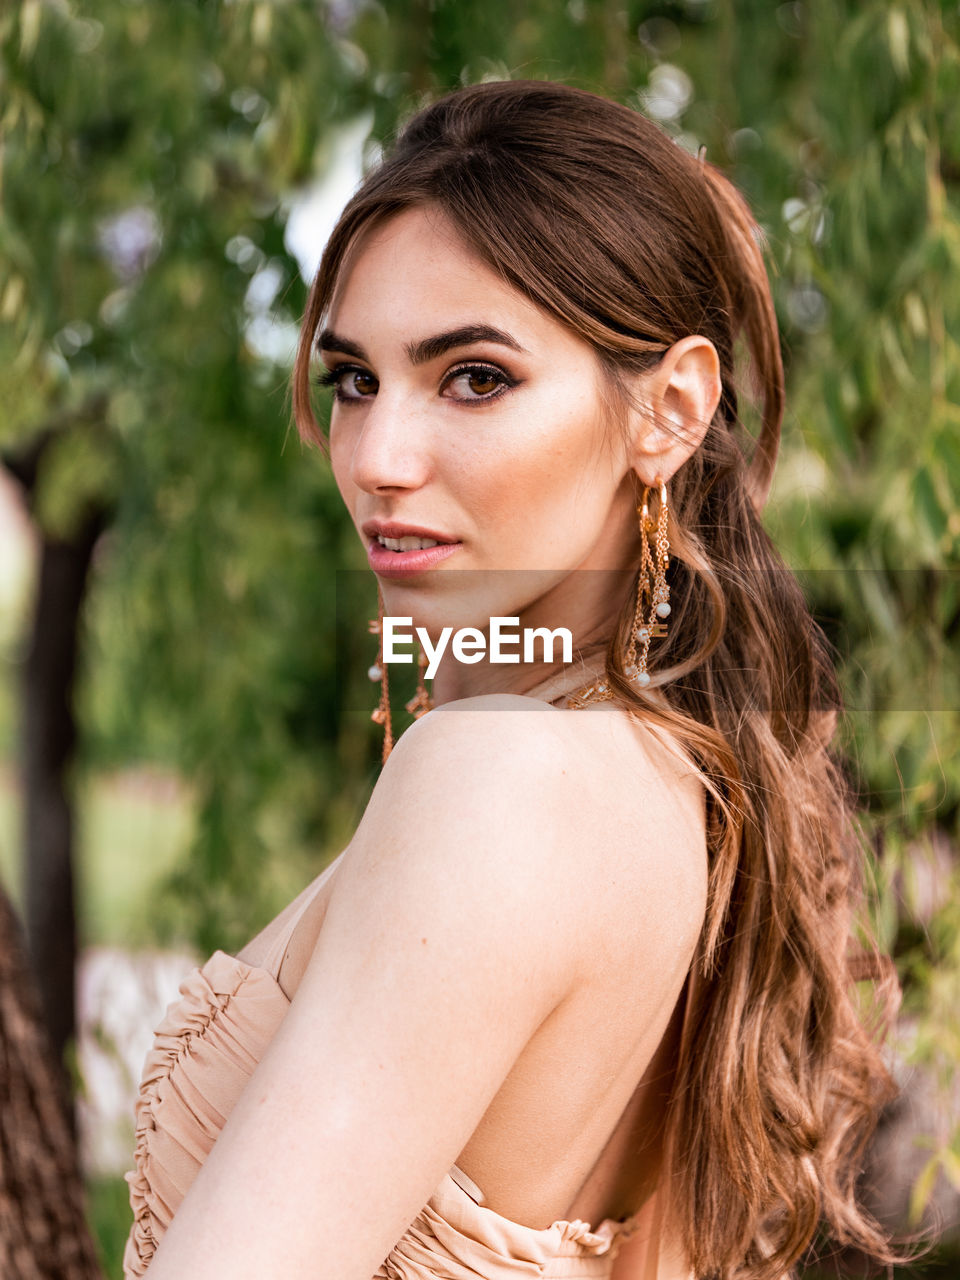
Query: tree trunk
{"points": [[43, 1232], [48, 735]]}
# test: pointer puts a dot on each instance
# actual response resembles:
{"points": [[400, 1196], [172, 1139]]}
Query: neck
{"points": [[585, 605]]}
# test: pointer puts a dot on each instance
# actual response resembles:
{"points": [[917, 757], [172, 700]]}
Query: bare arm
{"points": [[453, 931]]}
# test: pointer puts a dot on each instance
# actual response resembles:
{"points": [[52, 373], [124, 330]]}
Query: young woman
{"points": [[578, 997]]}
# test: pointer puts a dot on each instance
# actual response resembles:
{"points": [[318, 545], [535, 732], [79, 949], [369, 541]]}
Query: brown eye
{"points": [[476, 383], [481, 382], [349, 382], [365, 384]]}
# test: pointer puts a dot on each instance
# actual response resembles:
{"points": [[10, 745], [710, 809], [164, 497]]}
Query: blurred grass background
{"points": [[169, 174]]}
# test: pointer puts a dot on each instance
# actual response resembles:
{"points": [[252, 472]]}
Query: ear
{"points": [[676, 404]]}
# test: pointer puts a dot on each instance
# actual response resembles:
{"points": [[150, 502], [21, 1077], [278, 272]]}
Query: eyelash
{"points": [[331, 378]]}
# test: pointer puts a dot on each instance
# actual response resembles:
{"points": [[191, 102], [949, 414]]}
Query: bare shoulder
{"points": [[466, 852], [513, 758], [473, 725], [478, 776], [583, 818]]}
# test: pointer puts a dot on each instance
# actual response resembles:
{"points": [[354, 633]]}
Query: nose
{"points": [[392, 449]]}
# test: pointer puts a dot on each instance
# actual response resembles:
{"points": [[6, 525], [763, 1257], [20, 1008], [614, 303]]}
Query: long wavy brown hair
{"points": [[594, 214]]}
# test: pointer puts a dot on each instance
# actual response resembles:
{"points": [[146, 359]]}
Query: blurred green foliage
{"points": [[146, 149], [149, 156]]}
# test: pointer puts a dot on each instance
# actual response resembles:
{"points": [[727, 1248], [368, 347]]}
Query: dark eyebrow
{"points": [[465, 336], [330, 341], [427, 348]]}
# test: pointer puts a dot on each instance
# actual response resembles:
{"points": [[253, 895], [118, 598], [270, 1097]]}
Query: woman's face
{"points": [[465, 411]]}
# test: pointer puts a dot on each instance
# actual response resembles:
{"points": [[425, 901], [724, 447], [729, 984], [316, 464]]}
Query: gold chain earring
{"points": [[381, 713], [653, 593], [421, 701]]}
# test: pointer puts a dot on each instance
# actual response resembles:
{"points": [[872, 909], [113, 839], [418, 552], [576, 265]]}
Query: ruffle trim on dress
{"points": [[458, 1238], [205, 993]]}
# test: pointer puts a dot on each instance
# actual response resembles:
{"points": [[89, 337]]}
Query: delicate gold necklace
{"points": [[598, 691]]}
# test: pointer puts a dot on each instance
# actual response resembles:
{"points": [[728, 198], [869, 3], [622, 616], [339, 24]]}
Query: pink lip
{"points": [[394, 529], [401, 564]]}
